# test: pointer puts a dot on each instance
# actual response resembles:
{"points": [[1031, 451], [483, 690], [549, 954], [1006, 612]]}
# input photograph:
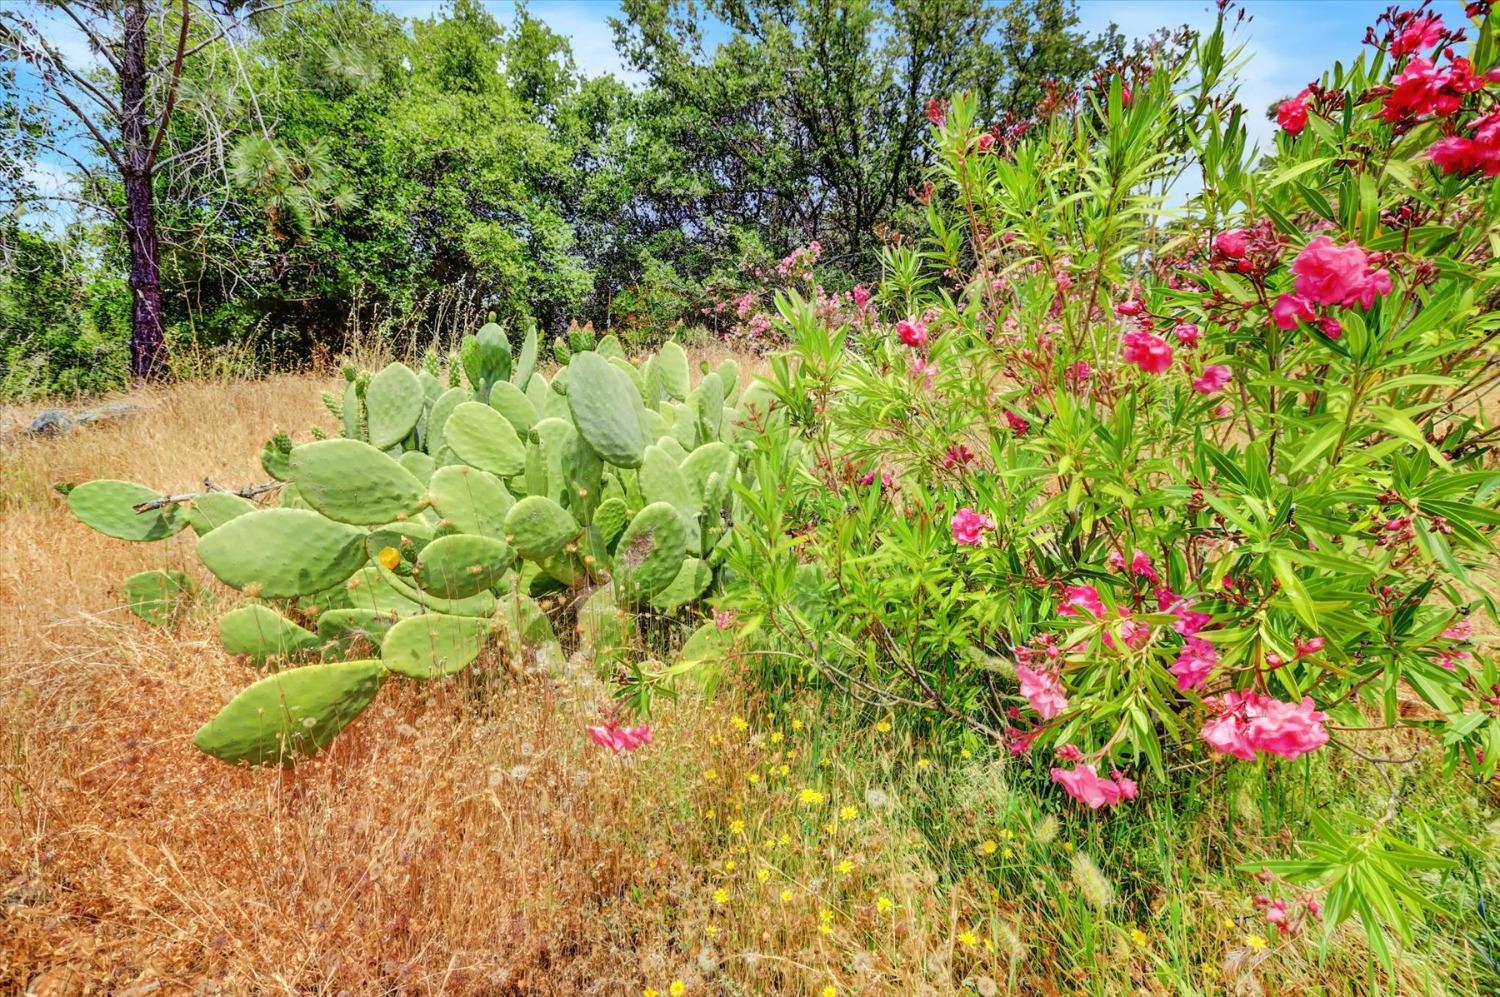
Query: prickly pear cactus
{"points": [[472, 505]]}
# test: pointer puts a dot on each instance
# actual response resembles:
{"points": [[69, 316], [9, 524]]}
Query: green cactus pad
{"points": [[689, 585], [407, 537], [702, 656], [685, 426], [651, 551], [561, 351], [460, 565], [511, 402], [216, 509], [437, 419], [537, 390], [607, 410], [631, 374], [538, 527], [651, 390], [523, 625], [602, 625], [470, 500], [291, 713], [479, 604], [370, 590], [494, 356], [610, 518], [352, 482], [273, 461], [709, 407], [483, 438], [418, 464], [711, 458], [109, 507], [672, 365], [433, 644], [261, 633], [526, 363], [393, 403], [350, 412], [609, 347], [557, 443], [662, 480], [276, 553], [729, 374], [341, 632], [155, 596]]}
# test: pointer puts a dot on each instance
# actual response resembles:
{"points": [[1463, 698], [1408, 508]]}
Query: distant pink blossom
{"points": [[968, 527], [1187, 333], [1421, 33], [861, 296], [1017, 425], [1233, 243], [1213, 379], [1043, 690], [912, 332], [1194, 663], [617, 739], [1291, 115], [986, 140], [1148, 351]]}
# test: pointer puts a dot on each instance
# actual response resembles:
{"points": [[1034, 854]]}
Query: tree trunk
{"points": [[147, 338]]}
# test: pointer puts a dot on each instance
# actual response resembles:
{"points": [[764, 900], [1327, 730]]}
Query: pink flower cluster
{"points": [[1423, 89], [1328, 275], [617, 739], [1194, 663], [1086, 786], [1291, 115], [1250, 721], [1147, 350], [1081, 597], [1043, 690], [1458, 154], [913, 332], [968, 526]]}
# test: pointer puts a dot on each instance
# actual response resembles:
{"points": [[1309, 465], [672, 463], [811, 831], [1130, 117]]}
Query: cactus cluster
{"points": [[578, 339], [433, 526]]}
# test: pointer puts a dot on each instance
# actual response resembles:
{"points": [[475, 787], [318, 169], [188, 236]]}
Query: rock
{"points": [[53, 420], [56, 420]]}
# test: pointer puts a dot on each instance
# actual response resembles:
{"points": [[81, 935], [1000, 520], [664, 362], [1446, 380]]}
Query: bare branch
{"points": [[99, 43], [166, 111], [250, 491]]}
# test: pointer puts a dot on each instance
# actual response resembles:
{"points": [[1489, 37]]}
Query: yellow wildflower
{"points": [[848, 813], [677, 989], [830, 991], [709, 775], [1138, 936], [923, 764], [784, 770], [885, 905], [825, 915], [739, 723], [989, 847], [730, 865], [825, 929], [786, 896], [796, 725], [721, 896], [762, 874], [651, 992], [845, 867], [711, 930], [752, 778], [736, 827], [1006, 853], [811, 797], [968, 939], [883, 727], [1256, 943], [777, 737]]}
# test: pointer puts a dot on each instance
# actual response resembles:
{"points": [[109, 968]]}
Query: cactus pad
{"points": [[460, 565], [109, 507], [607, 410], [155, 596], [483, 438], [431, 645], [275, 553], [261, 633], [470, 500], [352, 482], [393, 403], [651, 551], [538, 527], [291, 713]]}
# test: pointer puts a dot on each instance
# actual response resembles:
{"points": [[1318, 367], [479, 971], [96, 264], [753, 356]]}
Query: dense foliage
{"points": [[339, 169], [1133, 489]]}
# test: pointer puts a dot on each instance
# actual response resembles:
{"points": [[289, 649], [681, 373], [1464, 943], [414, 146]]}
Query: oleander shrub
{"points": [[1164, 454]]}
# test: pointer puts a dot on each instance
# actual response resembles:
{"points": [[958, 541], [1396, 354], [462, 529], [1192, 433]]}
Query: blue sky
{"points": [[1289, 42]]}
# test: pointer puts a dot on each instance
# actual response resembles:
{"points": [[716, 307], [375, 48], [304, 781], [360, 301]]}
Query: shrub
{"points": [[1118, 482]]}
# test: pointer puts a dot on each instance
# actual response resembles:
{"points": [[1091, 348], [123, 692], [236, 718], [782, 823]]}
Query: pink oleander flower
{"points": [[1290, 309], [1194, 663], [860, 296], [1128, 788], [957, 455], [1462, 630], [869, 479], [986, 140], [1291, 115], [1043, 690], [1135, 633], [1311, 645], [1148, 351], [1187, 333], [1017, 425], [1084, 597], [1329, 274], [1068, 753], [1330, 327], [1276, 913], [937, 112], [616, 738], [1233, 244], [1421, 33], [1250, 721], [968, 526], [1140, 566], [912, 332], [1078, 373], [1131, 307], [1213, 379], [723, 619], [1086, 786], [923, 370]]}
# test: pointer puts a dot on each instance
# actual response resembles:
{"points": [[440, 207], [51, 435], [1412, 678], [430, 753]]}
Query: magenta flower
{"points": [[1194, 663], [860, 296], [616, 738], [912, 332], [1290, 309], [1421, 33], [1084, 597], [968, 525], [1148, 351], [1291, 115], [1213, 379], [1086, 786], [1187, 333], [1043, 690], [1250, 721], [1018, 425], [1329, 274], [1232, 244]]}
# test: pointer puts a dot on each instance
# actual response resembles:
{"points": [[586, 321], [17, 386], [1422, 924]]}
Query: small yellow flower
{"points": [[796, 725], [711, 930], [968, 939], [730, 865], [677, 989], [885, 905], [390, 557], [1008, 834], [762, 874], [1138, 936], [1228, 922], [752, 778], [923, 764], [1068, 847], [830, 991], [825, 929], [845, 867], [721, 896], [825, 915], [786, 896], [1256, 943], [736, 827], [966, 753], [830, 828], [848, 813], [709, 775], [883, 727], [783, 840], [1006, 853], [989, 847], [811, 797], [739, 723], [784, 770], [777, 737], [651, 992]]}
